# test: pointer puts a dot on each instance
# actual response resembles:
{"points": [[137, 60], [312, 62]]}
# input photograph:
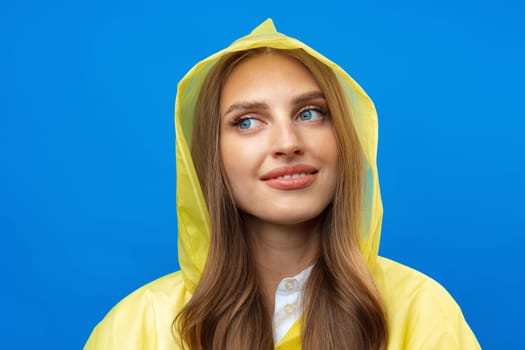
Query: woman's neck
{"points": [[281, 251]]}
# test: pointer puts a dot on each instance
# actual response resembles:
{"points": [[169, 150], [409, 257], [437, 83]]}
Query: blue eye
{"points": [[305, 115], [310, 114], [247, 123]]}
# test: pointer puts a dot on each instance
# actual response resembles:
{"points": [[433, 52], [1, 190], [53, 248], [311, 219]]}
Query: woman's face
{"points": [[276, 140]]}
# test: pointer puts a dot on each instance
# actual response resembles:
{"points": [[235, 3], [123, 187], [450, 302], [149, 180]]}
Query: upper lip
{"points": [[289, 170]]}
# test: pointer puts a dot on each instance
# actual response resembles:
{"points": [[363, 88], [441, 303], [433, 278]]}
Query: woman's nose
{"points": [[287, 140]]}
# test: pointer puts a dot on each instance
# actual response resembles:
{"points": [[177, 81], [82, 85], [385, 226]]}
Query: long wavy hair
{"points": [[342, 306]]}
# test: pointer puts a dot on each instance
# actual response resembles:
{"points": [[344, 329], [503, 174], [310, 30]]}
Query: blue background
{"points": [[87, 180]]}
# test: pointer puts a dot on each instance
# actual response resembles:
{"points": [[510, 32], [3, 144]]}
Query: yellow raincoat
{"points": [[421, 314]]}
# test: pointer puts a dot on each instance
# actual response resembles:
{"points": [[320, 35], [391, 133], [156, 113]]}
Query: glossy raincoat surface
{"points": [[421, 314]]}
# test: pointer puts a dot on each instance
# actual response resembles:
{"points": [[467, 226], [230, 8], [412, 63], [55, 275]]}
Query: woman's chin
{"points": [[285, 218]]}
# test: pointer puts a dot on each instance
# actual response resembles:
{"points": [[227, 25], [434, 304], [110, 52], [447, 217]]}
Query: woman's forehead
{"points": [[266, 76]]}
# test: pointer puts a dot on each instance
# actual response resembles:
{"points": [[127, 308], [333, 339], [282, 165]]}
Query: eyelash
{"points": [[321, 110], [238, 120]]}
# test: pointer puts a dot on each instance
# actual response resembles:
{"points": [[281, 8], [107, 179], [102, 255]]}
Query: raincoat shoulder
{"points": [[421, 313], [143, 319]]}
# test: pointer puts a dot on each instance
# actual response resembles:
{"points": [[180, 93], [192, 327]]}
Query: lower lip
{"points": [[291, 184]]}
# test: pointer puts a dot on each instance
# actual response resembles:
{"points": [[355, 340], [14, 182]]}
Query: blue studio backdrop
{"points": [[87, 170]]}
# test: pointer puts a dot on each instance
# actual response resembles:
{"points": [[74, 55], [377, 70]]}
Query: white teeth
{"points": [[294, 176]]}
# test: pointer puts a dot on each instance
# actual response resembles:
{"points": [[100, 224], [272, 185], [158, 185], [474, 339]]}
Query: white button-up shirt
{"points": [[288, 303]]}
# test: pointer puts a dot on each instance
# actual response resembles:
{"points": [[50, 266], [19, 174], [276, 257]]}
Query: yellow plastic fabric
{"points": [[421, 314]]}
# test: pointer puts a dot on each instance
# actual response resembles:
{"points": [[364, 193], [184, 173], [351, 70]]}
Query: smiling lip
{"points": [[291, 177]]}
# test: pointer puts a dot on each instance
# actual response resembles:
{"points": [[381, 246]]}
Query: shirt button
{"points": [[289, 308], [290, 284]]}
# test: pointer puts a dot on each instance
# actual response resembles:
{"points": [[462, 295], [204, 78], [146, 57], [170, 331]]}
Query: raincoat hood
{"points": [[193, 219]]}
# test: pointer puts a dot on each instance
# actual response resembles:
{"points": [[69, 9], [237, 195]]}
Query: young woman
{"points": [[279, 219]]}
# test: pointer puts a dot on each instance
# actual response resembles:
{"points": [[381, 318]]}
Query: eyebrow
{"points": [[308, 97], [242, 106], [246, 105]]}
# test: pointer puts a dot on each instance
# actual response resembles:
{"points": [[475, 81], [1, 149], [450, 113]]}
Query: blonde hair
{"points": [[343, 308]]}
